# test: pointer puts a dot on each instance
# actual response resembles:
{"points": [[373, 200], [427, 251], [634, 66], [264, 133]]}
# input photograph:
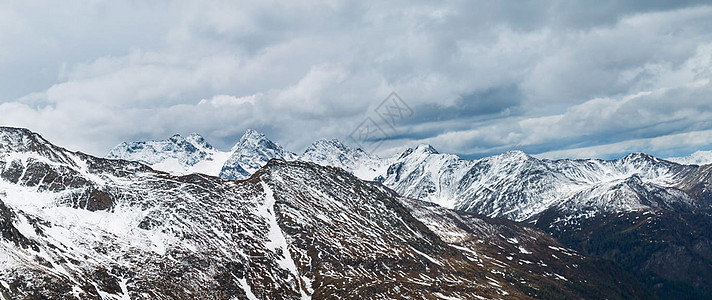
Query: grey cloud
{"points": [[482, 76]]}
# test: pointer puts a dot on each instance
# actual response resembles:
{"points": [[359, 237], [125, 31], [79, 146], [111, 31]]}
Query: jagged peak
{"points": [[515, 153], [327, 144], [638, 157], [251, 134], [420, 149], [15, 139], [176, 139], [197, 139], [251, 137], [426, 148]]}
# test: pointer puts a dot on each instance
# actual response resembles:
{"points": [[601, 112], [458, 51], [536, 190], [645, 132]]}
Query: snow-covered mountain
{"points": [[519, 186], [181, 156], [356, 161], [701, 157], [77, 226], [512, 185], [177, 155], [647, 214], [252, 152]]}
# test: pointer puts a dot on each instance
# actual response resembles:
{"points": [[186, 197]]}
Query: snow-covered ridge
{"points": [[356, 161], [519, 186], [192, 154], [697, 158], [177, 155], [512, 184]]}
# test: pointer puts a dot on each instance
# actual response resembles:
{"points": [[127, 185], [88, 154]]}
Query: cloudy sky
{"points": [[552, 78]]}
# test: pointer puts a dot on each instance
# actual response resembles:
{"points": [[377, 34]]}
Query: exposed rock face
{"points": [[292, 230]]}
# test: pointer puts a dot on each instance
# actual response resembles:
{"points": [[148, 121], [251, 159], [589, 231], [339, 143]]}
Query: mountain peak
{"points": [[252, 152], [251, 134], [426, 148], [327, 144], [251, 137], [23, 140], [638, 157], [198, 140], [176, 139], [5, 130], [515, 154], [13, 139]]}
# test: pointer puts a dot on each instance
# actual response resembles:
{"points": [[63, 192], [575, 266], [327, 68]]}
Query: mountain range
{"points": [[645, 213], [77, 226], [513, 185]]}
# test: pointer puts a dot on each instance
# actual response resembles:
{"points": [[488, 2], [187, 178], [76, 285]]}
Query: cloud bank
{"points": [[556, 79]]}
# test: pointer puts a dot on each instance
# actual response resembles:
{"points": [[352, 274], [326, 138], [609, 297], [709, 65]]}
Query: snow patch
{"points": [[276, 239], [246, 287]]}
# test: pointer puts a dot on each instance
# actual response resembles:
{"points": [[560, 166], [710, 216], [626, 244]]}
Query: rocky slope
{"points": [[76, 226]]}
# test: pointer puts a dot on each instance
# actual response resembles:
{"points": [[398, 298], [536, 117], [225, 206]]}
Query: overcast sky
{"points": [[552, 78]]}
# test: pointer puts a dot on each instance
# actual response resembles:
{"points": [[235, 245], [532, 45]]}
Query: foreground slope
{"points": [[73, 225], [357, 238]]}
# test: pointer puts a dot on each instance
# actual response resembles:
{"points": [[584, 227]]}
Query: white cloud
{"points": [[90, 76]]}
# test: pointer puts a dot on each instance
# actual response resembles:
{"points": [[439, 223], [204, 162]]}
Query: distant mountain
{"points": [[519, 186], [252, 152], [73, 225], [181, 156], [177, 155], [356, 161], [696, 158], [512, 185]]}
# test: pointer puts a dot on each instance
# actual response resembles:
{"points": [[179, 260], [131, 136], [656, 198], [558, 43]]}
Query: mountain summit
{"points": [[252, 152]]}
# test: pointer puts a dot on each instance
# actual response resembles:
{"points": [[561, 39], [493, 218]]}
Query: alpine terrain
{"points": [[649, 215], [78, 226]]}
